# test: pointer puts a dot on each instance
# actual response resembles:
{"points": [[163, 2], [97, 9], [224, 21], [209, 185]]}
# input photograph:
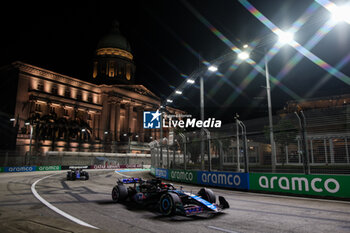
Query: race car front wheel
{"points": [[207, 194], [168, 204]]}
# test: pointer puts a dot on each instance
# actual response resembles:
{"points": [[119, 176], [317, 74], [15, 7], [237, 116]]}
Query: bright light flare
{"points": [[212, 68], [178, 92], [285, 37], [245, 46], [243, 55], [340, 14], [190, 81], [169, 101]]}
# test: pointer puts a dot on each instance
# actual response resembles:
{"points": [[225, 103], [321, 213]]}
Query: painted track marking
{"points": [[221, 229], [60, 212], [121, 174]]}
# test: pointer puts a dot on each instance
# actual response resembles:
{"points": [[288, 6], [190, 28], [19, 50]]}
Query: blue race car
{"points": [[170, 200], [77, 173]]}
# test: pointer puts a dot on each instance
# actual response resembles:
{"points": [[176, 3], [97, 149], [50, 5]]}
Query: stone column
{"points": [[112, 119], [104, 115], [140, 124], [117, 121], [129, 108], [60, 112]]}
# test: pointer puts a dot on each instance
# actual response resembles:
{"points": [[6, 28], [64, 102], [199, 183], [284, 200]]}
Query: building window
{"points": [[89, 117], [67, 93], [37, 107], [66, 112], [40, 87], [90, 98], [79, 96], [54, 90], [52, 110]]}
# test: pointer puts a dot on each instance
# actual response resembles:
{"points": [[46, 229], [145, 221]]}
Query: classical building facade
{"points": [[104, 115]]}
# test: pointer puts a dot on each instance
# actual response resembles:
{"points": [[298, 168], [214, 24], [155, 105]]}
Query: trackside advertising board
{"points": [[320, 185], [1, 169], [153, 171], [182, 176], [224, 179], [162, 173], [48, 168], [20, 169]]}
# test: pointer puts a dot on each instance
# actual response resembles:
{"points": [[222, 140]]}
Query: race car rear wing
{"points": [[130, 180]]}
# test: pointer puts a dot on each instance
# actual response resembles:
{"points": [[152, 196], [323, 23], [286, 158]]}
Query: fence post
{"points": [[221, 156]]}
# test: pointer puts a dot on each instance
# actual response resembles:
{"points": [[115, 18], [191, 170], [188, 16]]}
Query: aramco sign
{"points": [[324, 185]]}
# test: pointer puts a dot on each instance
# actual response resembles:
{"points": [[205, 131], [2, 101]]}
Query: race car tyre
{"points": [[86, 176], [69, 176], [168, 203], [119, 193], [207, 194], [73, 176]]}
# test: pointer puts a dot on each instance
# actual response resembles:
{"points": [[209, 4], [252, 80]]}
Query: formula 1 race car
{"points": [[77, 173], [170, 200]]}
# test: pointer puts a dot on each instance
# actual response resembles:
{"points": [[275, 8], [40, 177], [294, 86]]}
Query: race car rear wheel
{"points": [[86, 176], [207, 194], [119, 193], [168, 204]]}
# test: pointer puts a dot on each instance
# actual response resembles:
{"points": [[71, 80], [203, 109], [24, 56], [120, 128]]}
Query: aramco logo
{"points": [[316, 184]]}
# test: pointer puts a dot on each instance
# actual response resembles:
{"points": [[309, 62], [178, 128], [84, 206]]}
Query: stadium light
{"points": [[169, 101], [340, 13], [178, 92], [285, 37], [190, 81], [212, 68], [243, 55]]}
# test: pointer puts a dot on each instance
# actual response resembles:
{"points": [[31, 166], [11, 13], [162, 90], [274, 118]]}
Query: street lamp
{"points": [[283, 38], [340, 13], [243, 55], [212, 68]]}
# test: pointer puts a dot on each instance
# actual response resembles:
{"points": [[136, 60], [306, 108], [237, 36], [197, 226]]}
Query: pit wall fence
{"points": [[337, 186], [59, 167]]}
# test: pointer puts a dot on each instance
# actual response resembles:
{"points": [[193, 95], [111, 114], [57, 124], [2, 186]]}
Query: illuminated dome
{"points": [[113, 63], [114, 39]]}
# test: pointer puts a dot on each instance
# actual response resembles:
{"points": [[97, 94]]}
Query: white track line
{"points": [[64, 214], [121, 174], [221, 229]]}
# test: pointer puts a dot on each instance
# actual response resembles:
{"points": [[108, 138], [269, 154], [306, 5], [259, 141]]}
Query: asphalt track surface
{"points": [[90, 201]]}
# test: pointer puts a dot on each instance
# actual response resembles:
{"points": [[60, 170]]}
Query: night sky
{"points": [[170, 38]]}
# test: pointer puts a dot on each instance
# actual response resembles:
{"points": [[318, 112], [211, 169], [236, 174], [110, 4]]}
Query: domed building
{"points": [[104, 115], [113, 63]]}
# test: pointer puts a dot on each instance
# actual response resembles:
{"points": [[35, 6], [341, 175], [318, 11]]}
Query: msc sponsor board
{"points": [[224, 179], [321, 185], [183, 176], [162, 173], [48, 168], [20, 169]]}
